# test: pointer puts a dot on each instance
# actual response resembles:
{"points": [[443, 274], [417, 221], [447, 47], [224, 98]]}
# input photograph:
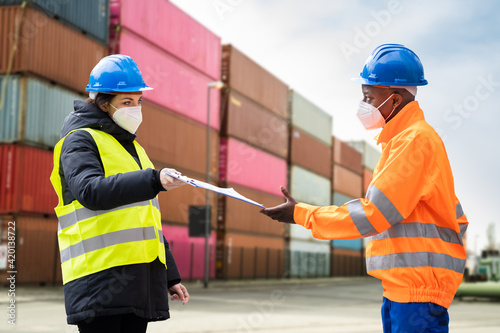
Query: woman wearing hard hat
{"points": [[116, 264]]}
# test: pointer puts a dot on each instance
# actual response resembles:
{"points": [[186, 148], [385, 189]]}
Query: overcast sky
{"points": [[316, 46]]}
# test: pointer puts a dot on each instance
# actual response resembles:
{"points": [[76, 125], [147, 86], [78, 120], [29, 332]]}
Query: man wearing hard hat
{"points": [[411, 215]]}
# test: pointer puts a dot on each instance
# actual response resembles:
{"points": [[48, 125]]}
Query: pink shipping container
{"points": [[169, 28], [189, 252], [177, 86], [24, 180], [247, 166]]}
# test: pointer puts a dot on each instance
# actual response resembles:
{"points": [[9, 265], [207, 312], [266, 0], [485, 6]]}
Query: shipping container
{"points": [[308, 259], [189, 252], [350, 244], [249, 256], [177, 142], [241, 164], [308, 187], [37, 259], [367, 179], [310, 118], [47, 48], [310, 153], [347, 156], [33, 110], [248, 78], [174, 204], [176, 86], [347, 182], [339, 199], [297, 231], [370, 154], [241, 216], [166, 26], [251, 123], [90, 17], [24, 180], [347, 262]]}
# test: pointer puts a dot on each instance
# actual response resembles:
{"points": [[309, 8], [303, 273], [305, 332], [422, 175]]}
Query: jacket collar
{"points": [[408, 116]]}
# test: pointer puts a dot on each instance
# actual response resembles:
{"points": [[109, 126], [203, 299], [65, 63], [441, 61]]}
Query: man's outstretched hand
{"points": [[283, 212]]}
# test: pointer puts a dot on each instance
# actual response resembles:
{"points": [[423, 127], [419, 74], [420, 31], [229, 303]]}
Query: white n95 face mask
{"points": [[128, 118], [370, 116]]}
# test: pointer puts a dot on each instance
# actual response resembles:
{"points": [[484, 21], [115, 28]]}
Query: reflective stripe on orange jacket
{"points": [[411, 215]]}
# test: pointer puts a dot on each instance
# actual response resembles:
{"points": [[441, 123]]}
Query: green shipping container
{"points": [[308, 187]]}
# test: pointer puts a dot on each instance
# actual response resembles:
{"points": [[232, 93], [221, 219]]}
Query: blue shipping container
{"points": [[33, 111]]}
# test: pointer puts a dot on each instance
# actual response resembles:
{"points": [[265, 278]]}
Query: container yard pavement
{"points": [[263, 306]]}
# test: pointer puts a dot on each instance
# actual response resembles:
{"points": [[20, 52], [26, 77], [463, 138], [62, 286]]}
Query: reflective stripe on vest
{"points": [[415, 259], [91, 241]]}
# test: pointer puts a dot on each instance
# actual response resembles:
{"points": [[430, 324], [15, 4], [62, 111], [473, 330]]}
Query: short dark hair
{"points": [[100, 99]]}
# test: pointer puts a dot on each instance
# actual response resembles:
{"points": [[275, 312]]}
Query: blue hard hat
{"points": [[392, 65], [118, 73]]}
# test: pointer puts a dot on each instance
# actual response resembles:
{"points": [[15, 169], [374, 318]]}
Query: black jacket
{"points": [[141, 288]]}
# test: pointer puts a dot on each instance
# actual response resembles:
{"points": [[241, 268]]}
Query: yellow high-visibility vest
{"points": [[94, 240]]}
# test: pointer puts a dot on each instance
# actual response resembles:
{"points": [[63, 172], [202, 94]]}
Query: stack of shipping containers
{"points": [[253, 153], [44, 66], [178, 57], [347, 255], [310, 163]]}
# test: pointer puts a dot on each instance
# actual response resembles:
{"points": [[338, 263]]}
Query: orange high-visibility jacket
{"points": [[411, 215]]}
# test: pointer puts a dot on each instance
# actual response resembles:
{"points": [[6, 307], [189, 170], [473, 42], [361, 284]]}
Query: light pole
{"points": [[216, 85]]}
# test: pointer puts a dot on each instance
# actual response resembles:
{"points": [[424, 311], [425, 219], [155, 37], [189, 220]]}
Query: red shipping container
{"points": [[163, 24], [177, 86], [347, 156], [310, 153], [244, 165], [367, 179], [189, 252], [24, 180], [347, 182]]}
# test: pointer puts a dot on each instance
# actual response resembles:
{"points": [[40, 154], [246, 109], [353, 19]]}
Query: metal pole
{"points": [[207, 203]]}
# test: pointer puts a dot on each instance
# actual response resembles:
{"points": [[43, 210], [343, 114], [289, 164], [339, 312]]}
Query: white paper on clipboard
{"points": [[230, 192]]}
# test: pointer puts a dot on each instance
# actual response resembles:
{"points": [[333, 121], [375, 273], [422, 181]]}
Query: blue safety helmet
{"points": [[118, 73], [392, 65]]}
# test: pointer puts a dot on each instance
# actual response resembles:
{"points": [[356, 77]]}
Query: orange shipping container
{"points": [[36, 249], [177, 142], [240, 216], [310, 153], [47, 48], [248, 256], [247, 77], [347, 182], [254, 124], [346, 156]]}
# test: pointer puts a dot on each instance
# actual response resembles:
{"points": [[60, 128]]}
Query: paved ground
{"points": [[292, 306]]}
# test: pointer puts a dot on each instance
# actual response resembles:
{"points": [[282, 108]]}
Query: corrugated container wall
{"points": [[310, 118], [177, 86], [367, 179], [250, 122], [347, 182], [371, 155], [309, 187], [177, 142], [189, 252], [252, 256], [161, 23], [308, 259], [91, 17], [24, 180], [33, 111], [248, 78], [244, 165], [346, 262], [37, 251], [310, 153], [347, 156], [47, 48]]}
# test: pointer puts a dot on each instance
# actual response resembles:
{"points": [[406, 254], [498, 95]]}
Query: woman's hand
{"points": [[169, 183], [179, 293]]}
